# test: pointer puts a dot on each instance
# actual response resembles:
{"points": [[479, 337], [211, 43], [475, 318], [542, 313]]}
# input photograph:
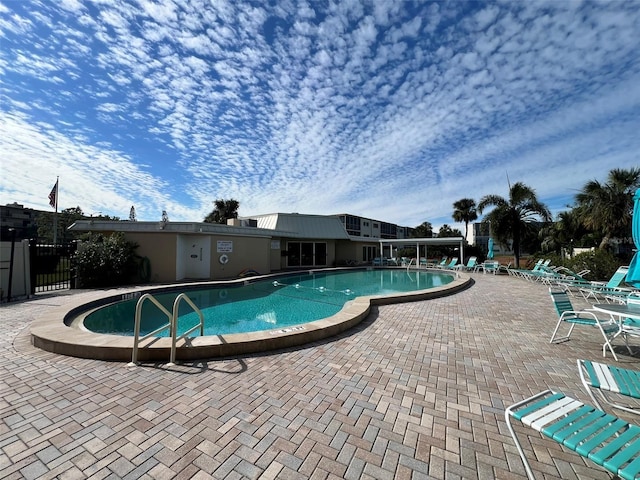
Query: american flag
{"points": [[53, 195]]}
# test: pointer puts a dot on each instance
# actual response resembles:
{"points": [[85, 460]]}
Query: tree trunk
{"points": [[604, 242]]}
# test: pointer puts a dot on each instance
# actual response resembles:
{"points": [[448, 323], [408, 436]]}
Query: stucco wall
{"points": [[160, 249], [251, 253], [348, 251]]}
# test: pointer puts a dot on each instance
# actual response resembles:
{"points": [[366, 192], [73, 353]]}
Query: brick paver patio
{"points": [[416, 391]]}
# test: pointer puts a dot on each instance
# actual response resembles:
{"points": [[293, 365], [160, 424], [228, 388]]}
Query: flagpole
{"points": [[55, 215]]}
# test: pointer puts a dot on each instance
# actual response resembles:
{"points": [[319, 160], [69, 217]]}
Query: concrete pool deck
{"points": [[417, 390]]}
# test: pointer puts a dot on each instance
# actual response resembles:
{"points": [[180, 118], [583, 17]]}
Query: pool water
{"points": [[264, 305]]}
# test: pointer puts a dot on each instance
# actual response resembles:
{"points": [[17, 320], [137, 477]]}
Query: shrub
{"points": [[105, 261], [602, 264]]}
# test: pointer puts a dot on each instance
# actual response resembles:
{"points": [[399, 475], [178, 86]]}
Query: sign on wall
{"points": [[225, 246], [275, 244]]}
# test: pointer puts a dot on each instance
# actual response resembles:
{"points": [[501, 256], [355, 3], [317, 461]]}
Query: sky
{"points": [[391, 110]]}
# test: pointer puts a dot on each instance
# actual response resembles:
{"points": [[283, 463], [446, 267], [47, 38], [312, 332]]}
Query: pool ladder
{"points": [[410, 262], [172, 325]]}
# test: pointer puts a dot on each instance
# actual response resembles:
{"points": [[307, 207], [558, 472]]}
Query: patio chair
{"points": [[630, 327], [489, 266], [559, 276], [441, 263], [608, 381], [570, 275], [569, 280], [607, 290], [519, 272], [608, 441], [450, 265], [566, 314], [471, 264], [528, 274], [505, 268]]}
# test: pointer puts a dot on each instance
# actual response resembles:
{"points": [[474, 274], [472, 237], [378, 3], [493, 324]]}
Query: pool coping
{"points": [[52, 333]]}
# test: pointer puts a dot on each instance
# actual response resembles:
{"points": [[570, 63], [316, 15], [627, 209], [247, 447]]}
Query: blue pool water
{"points": [[263, 305]]}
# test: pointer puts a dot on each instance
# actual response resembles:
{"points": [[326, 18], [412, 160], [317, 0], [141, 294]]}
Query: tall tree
{"points": [[512, 218], [566, 232], [446, 231], [66, 217], [464, 210], [223, 211], [607, 207], [424, 230]]}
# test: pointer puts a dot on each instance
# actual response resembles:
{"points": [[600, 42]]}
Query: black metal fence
{"points": [[51, 267]]}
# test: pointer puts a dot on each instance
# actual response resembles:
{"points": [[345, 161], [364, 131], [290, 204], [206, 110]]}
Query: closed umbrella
{"points": [[633, 275], [490, 248]]}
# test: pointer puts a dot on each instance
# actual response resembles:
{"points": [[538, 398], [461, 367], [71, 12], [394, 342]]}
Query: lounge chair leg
{"points": [[626, 342], [604, 352], [523, 457], [606, 344], [561, 339]]}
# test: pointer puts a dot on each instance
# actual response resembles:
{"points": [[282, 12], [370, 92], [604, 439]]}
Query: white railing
{"points": [[172, 325], [410, 262]]}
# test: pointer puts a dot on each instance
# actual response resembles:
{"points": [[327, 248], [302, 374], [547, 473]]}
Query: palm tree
{"points": [[566, 232], [607, 207], [465, 211], [224, 210], [513, 217]]}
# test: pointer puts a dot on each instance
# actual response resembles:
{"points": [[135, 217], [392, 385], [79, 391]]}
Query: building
{"points": [[262, 243], [180, 251], [366, 227], [15, 218]]}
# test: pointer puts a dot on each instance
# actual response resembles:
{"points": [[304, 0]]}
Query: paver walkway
{"points": [[417, 391]]}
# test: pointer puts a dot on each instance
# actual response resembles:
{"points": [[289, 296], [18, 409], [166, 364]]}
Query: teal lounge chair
{"points": [[534, 272], [606, 291], [450, 265], [610, 381], [608, 441], [471, 264], [567, 315], [441, 263]]}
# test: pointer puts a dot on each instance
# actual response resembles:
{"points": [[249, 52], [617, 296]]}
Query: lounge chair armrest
{"points": [[578, 313]]}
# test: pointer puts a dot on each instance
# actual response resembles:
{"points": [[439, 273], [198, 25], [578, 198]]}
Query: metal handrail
{"points": [[176, 305], [136, 331], [172, 325], [410, 262]]}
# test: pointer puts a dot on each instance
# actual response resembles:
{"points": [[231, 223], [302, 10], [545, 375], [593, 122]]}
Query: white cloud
{"points": [[376, 107]]}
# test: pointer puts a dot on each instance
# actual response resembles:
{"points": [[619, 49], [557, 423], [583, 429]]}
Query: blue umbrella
{"points": [[633, 276], [490, 248]]}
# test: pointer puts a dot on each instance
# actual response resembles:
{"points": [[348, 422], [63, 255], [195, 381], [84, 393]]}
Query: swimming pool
{"points": [[265, 305], [61, 330]]}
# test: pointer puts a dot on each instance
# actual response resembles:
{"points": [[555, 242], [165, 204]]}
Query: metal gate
{"points": [[51, 267]]}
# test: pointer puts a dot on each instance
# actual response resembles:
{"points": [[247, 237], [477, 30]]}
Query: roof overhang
{"points": [[173, 227], [422, 241], [459, 241]]}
